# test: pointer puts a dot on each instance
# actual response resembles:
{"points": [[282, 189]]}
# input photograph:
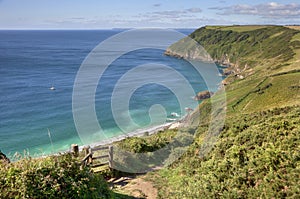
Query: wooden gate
{"points": [[98, 153]]}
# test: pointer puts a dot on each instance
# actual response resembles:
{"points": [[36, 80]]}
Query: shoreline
{"points": [[138, 133]]}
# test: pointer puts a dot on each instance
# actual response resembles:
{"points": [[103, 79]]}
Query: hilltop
{"points": [[263, 63]]}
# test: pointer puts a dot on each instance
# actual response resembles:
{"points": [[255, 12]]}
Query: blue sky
{"points": [[101, 14]]}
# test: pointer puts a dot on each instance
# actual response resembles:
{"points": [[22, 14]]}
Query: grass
{"points": [[256, 156], [294, 27], [251, 95], [280, 90], [251, 49], [266, 51], [257, 153], [237, 28], [147, 143], [140, 154], [296, 37]]}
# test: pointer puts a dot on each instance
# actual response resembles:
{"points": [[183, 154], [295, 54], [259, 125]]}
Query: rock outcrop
{"points": [[203, 95], [194, 54], [188, 49]]}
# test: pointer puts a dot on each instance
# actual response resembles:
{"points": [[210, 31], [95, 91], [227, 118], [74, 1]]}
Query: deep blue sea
{"points": [[32, 61]]}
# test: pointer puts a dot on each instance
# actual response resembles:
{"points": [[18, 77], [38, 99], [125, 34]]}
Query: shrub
{"points": [[51, 177], [256, 156]]}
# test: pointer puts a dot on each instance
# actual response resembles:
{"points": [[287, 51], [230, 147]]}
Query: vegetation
{"points": [[140, 154], [256, 155], [249, 46], [51, 177], [250, 49], [148, 143]]}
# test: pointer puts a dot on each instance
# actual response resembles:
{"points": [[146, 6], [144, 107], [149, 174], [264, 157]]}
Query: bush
{"points": [[147, 144], [51, 177], [256, 156]]}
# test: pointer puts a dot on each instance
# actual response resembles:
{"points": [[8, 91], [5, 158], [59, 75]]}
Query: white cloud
{"points": [[265, 10], [185, 18], [170, 15], [177, 13], [167, 18]]}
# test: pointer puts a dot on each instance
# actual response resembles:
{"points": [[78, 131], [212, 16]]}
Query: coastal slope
{"points": [[256, 154], [262, 63]]}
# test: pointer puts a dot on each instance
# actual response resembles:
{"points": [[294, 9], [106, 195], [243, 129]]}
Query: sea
{"points": [[38, 120]]}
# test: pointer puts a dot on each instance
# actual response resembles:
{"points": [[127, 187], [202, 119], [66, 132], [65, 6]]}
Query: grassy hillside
{"points": [[264, 48], [264, 60], [257, 154]]}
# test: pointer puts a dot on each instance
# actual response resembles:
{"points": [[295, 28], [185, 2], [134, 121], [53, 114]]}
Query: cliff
{"points": [[241, 48]]}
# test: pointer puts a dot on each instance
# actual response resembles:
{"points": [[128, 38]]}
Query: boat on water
{"points": [[52, 88]]}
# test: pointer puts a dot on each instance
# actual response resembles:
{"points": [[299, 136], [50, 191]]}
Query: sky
{"points": [[106, 14]]}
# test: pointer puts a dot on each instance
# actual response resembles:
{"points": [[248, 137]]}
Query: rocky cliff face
{"points": [[189, 49], [203, 95], [189, 54]]}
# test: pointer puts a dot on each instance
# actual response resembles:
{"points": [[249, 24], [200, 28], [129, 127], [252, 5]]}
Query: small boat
{"points": [[52, 88]]}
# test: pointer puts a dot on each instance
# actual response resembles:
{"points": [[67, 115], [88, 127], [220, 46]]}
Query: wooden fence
{"points": [[90, 157]]}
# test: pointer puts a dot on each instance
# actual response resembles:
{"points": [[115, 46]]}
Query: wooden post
{"points": [[75, 150], [86, 150], [110, 156], [90, 160]]}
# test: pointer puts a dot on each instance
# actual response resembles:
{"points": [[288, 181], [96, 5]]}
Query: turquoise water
{"points": [[33, 61]]}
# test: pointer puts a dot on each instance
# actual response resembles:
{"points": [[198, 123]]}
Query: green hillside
{"points": [[257, 154], [256, 56], [248, 49]]}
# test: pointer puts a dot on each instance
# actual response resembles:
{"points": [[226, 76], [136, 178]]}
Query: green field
{"points": [[236, 28]]}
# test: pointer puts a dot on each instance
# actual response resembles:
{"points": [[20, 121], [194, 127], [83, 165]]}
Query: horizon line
{"points": [[94, 28], [129, 28]]}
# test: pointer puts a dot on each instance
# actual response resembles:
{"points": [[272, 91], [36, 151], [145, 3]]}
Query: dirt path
{"points": [[137, 187]]}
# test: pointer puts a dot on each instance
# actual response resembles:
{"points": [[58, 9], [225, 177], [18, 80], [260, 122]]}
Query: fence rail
{"points": [[89, 155]]}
